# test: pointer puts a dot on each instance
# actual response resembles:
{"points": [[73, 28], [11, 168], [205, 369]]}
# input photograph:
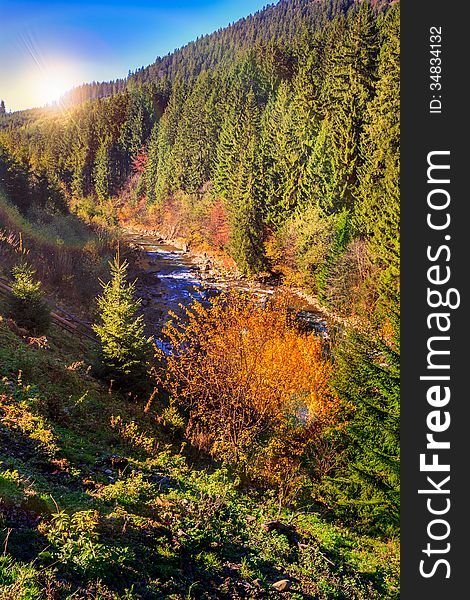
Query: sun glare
{"points": [[52, 83]]}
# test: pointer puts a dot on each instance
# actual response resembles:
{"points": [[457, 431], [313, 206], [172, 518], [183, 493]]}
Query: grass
{"points": [[98, 501]]}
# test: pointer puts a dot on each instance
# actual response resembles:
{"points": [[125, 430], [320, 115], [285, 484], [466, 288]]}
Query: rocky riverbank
{"points": [[170, 276]]}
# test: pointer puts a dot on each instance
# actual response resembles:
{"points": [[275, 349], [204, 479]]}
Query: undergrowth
{"points": [[96, 502]]}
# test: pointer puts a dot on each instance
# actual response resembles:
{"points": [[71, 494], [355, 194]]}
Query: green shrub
{"points": [[74, 543], [18, 581], [27, 305]]}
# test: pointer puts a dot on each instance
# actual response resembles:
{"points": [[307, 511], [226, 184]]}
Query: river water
{"points": [[171, 277]]}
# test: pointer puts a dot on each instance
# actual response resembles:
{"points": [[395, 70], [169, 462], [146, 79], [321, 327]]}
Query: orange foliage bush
{"points": [[218, 231], [255, 388]]}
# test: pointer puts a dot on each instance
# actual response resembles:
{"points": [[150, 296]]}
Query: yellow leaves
{"points": [[132, 436], [241, 370], [20, 416]]}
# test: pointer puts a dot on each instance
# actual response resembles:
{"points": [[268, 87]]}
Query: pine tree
{"points": [[226, 158], [368, 381], [196, 135], [2, 107], [340, 239], [351, 68], [27, 305], [150, 174], [280, 157], [379, 175], [165, 180], [240, 189], [104, 173], [125, 351]]}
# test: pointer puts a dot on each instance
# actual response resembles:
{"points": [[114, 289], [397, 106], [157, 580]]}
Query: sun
{"points": [[53, 82], [52, 88]]}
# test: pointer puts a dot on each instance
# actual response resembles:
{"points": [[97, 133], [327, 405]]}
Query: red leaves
{"points": [[139, 162]]}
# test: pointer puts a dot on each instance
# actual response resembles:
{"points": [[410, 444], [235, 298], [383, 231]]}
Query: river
{"points": [[170, 278]]}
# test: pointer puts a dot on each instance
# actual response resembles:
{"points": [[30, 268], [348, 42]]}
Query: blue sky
{"points": [[47, 47]]}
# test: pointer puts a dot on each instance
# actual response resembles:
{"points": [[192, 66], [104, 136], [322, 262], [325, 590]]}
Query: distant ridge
{"points": [[281, 22]]}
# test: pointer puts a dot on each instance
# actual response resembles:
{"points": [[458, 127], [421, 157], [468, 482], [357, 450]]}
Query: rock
{"points": [[108, 472], [257, 583], [163, 481], [282, 585]]}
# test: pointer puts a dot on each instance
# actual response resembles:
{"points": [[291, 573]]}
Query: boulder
{"points": [[283, 585]]}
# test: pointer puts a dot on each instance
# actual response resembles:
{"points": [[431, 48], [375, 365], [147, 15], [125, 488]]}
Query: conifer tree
{"points": [[196, 135], [227, 156], [151, 166], [125, 351], [368, 381], [245, 238], [167, 129], [280, 157], [104, 171], [27, 305], [351, 64], [379, 176]]}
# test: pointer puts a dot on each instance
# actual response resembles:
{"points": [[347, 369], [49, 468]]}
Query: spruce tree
{"points": [[196, 136], [281, 157], [125, 351], [227, 153], [379, 176], [103, 170], [245, 238], [351, 67], [165, 174], [368, 381], [27, 305], [150, 174]]}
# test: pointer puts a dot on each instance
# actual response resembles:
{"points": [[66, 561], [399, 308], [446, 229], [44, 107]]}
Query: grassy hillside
{"points": [[98, 500]]}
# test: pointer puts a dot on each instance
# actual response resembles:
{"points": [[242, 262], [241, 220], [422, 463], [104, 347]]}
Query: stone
{"points": [[282, 585]]}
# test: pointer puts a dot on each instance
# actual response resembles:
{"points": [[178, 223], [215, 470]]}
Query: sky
{"points": [[47, 48]]}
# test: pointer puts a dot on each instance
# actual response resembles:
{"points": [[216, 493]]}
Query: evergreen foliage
{"points": [[368, 380], [27, 305], [124, 348]]}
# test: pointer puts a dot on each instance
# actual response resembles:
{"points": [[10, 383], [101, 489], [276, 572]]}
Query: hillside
{"points": [[239, 452], [281, 21], [145, 517]]}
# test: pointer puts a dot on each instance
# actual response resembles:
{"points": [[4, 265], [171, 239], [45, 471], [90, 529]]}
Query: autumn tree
{"points": [[253, 387]]}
